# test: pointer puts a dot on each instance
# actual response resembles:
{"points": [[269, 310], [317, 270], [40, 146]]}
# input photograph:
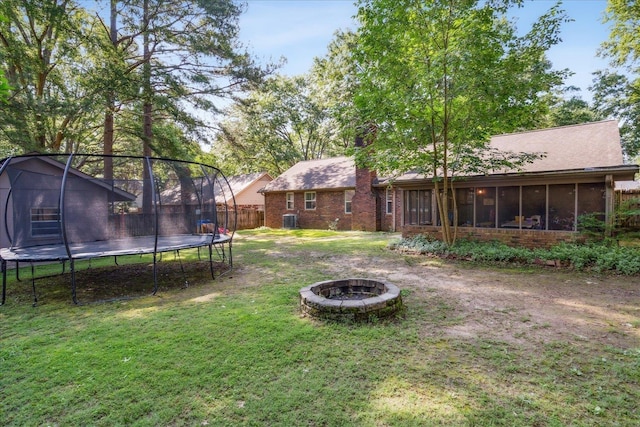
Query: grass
{"points": [[235, 351]]}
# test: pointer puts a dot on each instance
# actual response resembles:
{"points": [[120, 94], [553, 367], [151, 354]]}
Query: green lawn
{"points": [[235, 351]]}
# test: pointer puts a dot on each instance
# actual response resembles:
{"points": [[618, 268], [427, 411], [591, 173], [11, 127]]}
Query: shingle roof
{"points": [[568, 148], [582, 146], [239, 183], [575, 147], [332, 173]]}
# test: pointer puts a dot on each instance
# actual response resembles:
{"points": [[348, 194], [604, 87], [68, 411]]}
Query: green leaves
{"points": [[437, 78], [280, 123], [617, 93], [75, 80]]}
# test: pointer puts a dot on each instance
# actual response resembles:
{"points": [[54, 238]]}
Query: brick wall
{"points": [[390, 222], [329, 206], [526, 238], [365, 203]]}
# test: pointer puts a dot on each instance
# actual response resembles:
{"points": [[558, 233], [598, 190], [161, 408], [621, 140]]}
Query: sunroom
{"points": [[576, 176], [510, 204]]}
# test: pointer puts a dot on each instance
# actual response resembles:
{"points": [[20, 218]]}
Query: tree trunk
{"points": [[107, 138], [147, 109]]}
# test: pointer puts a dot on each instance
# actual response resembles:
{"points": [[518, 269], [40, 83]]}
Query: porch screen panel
{"points": [[508, 207], [592, 199], [534, 205], [562, 199], [464, 202], [486, 207], [417, 207]]}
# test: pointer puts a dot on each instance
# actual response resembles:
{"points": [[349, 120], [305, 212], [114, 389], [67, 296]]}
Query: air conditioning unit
{"points": [[289, 220]]}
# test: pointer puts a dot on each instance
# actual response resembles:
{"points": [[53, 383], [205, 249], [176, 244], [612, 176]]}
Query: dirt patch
{"points": [[525, 307]]}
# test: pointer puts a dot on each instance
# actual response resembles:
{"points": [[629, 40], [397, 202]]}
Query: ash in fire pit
{"points": [[351, 299]]}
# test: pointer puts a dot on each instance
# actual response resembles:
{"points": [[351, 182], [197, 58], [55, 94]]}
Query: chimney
{"points": [[365, 204]]}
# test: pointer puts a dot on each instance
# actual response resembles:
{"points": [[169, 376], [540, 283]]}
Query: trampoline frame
{"points": [[220, 238]]}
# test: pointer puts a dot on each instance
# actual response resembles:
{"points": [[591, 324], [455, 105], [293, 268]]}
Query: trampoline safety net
{"points": [[79, 206]]}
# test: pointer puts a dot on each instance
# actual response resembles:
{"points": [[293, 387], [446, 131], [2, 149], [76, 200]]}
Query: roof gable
{"points": [[322, 174], [239, 183]]}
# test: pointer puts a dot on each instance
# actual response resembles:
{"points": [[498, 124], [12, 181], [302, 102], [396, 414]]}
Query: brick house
{"points": [[325, 193], [536, 206]]}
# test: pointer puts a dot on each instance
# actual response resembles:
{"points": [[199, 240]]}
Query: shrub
{"points": [[599, 257]]}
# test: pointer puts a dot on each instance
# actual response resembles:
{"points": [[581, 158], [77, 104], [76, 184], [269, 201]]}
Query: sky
{"points": [[300, 30]]}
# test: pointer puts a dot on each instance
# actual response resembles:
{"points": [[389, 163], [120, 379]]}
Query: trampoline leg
{"points": [[211, 262], [4, 281], [184, 275], [230, 256], [155, 275], [18, 271], [72, 267], [33, 285]]}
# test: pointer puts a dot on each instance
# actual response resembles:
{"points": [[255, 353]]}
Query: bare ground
{"points": [[527, 306]]}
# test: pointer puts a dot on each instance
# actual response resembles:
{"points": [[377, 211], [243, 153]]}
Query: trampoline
{"points": [[63, 208]]}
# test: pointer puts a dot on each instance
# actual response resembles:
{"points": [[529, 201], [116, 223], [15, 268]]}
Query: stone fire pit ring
{"points": [[354, 299]]}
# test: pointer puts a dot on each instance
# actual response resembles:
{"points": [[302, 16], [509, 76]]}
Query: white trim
{"points": [[348, 201], [286, 197], [306, 201]]}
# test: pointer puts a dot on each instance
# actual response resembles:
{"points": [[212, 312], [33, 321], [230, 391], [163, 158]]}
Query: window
{"points": [[464, 202], [534, 206], [486, 207], [389, 201], [509, 207], [289, 201], [592, 199], [417, 207], [310, 200], [348, 196], [562, 206], [45, 222]]}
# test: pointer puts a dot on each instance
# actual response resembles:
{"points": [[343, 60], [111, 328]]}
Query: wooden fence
{"points": [[630, 198], [249, 218]]}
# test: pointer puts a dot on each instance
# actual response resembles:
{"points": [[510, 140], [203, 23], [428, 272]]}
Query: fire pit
{"points": [[351, 299]]}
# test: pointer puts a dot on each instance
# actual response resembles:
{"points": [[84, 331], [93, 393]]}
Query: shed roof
{"points": [[333, 173]]}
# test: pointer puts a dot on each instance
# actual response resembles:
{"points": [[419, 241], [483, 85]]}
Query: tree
{"points": [[438, 78], [4, 85], [188, 58], [335, 79], [280, 123], [617, 94], [571, 109], [46, 51], [614, 95]]}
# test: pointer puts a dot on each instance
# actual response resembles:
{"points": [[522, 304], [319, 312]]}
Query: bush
{"points": [[599, 257]]}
